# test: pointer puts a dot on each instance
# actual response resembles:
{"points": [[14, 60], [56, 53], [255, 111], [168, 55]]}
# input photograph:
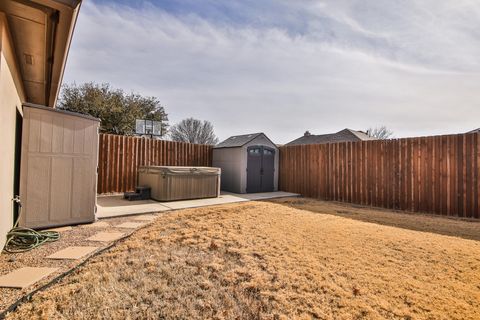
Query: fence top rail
{"points": [[147, 138]]}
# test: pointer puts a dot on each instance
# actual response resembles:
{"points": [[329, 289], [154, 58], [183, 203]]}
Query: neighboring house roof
{"points": [[474, 131], [240, 140], [345, 135]]}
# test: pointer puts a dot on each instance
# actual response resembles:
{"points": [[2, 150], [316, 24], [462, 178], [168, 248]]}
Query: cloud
{"points": [[284, 67]]}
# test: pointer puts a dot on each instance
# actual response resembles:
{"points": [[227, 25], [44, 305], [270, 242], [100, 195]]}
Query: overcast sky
{"points": [[283, 66]]}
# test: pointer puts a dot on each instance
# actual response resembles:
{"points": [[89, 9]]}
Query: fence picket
{"points": [[438, 175]]}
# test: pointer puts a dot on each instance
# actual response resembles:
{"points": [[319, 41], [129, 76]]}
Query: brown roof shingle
{"points": [[345, 135]]}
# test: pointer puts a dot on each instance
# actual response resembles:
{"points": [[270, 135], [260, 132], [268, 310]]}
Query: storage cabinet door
{"points": [[58, 169], [268, 169], [254, 169]]}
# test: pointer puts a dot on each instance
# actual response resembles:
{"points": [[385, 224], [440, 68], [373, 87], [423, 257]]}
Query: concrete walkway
{"points": [[115, 206]]}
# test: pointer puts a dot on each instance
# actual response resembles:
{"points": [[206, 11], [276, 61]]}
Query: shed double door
{"points": [[260, 169]]}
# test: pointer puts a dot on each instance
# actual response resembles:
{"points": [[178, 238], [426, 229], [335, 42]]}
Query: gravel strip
{"points": [[37, 257]]}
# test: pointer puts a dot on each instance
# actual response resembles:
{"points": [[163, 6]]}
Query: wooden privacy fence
{"points": [[120, 156], [438, 175]]}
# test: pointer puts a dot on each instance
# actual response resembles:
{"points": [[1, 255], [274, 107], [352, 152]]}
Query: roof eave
{"points": [[41, 33], [75, 5]]}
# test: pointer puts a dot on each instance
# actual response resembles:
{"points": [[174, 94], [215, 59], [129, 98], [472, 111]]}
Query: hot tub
{"points": [[169, 183]]}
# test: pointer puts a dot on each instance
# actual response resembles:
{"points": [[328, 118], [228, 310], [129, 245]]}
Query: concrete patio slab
{"points": [[130, 225], [115, 206], [185, 204], [24, 277], [225, 198], [106, 236], [264, 195], [72, 253]]}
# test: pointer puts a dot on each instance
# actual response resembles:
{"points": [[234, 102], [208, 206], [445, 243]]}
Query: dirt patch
{"points": [[263, 260]]}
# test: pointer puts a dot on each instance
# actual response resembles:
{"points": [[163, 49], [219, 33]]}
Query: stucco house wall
{"points": [[11, 97]]}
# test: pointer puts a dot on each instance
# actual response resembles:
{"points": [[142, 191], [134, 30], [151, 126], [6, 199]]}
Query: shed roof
{"points": [[57, 110], [240, 140], [345, 135]]}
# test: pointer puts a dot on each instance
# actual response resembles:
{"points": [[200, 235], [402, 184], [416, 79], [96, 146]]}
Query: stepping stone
{"points": [[98, 224], [24, 277], [60, 229], [130, 225], [106, 236], [145, 218], [72, 253]]}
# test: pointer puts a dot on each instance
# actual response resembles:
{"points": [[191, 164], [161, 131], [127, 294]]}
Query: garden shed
{"points": [[249, 163]]}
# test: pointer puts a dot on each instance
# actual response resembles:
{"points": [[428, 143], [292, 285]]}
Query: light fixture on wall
{"points": [[28, 59]]}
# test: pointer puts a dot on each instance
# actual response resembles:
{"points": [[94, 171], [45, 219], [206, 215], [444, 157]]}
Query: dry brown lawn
{"points": [[271, 260]]}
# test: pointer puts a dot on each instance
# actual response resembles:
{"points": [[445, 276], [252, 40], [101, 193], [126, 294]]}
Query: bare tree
{"points": [[380, 133], [193, 131]]}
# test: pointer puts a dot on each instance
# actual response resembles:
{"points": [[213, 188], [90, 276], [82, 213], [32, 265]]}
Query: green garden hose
{"points": [[21, 239]]}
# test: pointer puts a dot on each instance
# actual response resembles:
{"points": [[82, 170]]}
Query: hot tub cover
{"points": [[175, 170]]}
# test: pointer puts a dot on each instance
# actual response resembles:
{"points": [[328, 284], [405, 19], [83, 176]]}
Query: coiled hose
{"points": [[21, 239]]}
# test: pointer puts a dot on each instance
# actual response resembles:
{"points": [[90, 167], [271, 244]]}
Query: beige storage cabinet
{"points": [[169, 183], [58, 175]]}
